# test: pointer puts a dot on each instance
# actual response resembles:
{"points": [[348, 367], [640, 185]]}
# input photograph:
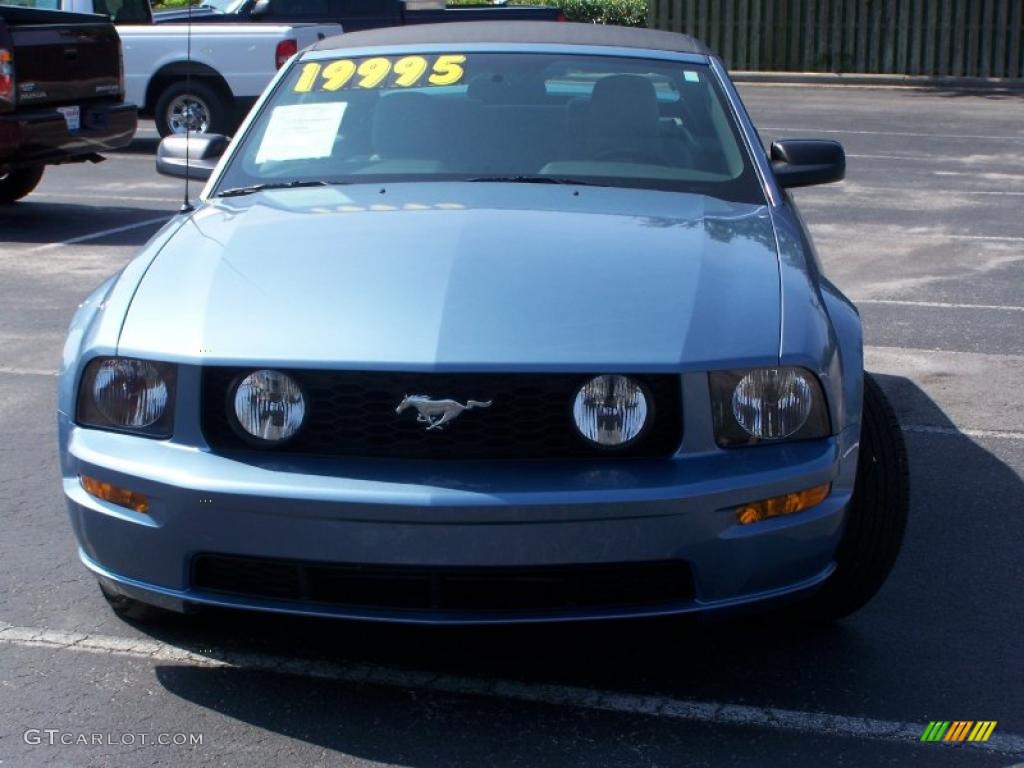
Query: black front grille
{"points": [[489, 590], [352, 413]]}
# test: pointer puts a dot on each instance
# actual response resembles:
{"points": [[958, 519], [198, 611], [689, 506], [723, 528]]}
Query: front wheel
{"points": [[15, 184], [876, 518], [192, 107]]}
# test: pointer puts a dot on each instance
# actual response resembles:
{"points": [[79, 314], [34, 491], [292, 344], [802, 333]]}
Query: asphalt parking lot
{"points": [[926, 235]]}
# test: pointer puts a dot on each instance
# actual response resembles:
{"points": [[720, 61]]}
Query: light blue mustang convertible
{"points": [[483, 323]]}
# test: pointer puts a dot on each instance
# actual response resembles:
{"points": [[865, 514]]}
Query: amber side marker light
{"points": [[782, 505], [120, 496]]}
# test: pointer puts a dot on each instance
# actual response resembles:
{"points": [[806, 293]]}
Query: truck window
{"points": [[300, 9], [46, 5], [364, 8], [119, 11], [124, 11]]}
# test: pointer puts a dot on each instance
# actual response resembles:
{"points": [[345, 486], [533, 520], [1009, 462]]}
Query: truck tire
{"points": [[15, 184], [196, 104], [876, 518], [133, 610]]}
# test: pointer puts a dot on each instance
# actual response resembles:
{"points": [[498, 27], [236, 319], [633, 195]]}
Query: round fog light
{"points": [[772, 403], [269, 405], [610, 411]]}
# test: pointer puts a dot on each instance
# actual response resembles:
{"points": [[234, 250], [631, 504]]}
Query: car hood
{"points": [[472, 276]]}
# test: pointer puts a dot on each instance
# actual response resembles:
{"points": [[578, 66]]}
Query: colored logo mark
{"points": [[959, 730]]}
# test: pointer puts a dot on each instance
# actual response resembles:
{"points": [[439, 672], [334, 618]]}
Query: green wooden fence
{"points": [[972, 38]]}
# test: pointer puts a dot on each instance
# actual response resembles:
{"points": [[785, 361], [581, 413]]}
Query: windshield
{"points": [[613, 121]]}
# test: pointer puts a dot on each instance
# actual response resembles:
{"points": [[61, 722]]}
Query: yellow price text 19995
{"points": [[380, 72]]}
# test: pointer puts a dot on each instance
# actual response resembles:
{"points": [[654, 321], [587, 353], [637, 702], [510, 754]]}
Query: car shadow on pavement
{"points": [[951, 604], [141, 145], [439, 726]]}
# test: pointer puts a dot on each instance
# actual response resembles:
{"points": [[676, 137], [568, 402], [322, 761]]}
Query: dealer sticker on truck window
{"points": [[72, 117], [381, 72]]}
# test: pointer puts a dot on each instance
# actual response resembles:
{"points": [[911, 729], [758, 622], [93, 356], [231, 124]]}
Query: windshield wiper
{"points": [[534, 179], [239, 191]]}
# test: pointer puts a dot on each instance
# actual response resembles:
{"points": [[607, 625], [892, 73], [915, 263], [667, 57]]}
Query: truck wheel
{"points": [[195, 106], [133, 610], [17, 183], [877, 516]]}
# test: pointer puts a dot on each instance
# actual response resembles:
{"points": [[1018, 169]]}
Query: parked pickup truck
{"points": [[61, 94], [210, 89], [356, 14]]}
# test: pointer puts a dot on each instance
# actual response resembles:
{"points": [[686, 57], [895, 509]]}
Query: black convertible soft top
{"points": [[540, 32]]}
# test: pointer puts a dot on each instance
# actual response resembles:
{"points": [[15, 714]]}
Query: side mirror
{"points": [[195, 156], [260, 8], [803, 162]]}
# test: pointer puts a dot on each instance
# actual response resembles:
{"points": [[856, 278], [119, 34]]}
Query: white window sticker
{"points": [[690, 76], [301, 131]]}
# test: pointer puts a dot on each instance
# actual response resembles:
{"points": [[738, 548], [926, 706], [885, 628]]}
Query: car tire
{"points": [[17, 183], [213, 109], [877, 515], [133, 610]]}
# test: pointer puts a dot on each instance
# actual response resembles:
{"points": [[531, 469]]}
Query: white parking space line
{"points": [[952, 192], [99, 196], [987, 175], [891, 157], [853, 185], [100, 234], [953, 431], [26, 371], [994, 238], [895, 133], [667, 707], [930, 159], [939, 304]]}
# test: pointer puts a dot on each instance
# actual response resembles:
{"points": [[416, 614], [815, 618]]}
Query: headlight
{"points": [[269, 406], [766, 405], [125, 394], [610, 411]]}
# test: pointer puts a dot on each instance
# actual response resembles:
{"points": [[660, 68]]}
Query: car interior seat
{"points": [[408, 127], [622, 121]]}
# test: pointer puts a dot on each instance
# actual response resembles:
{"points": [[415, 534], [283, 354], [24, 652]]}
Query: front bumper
{"points": [[445, 515], [42, 136]]}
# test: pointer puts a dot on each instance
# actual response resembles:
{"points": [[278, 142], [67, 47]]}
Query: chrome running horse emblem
{"points": [[436, 413]]}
